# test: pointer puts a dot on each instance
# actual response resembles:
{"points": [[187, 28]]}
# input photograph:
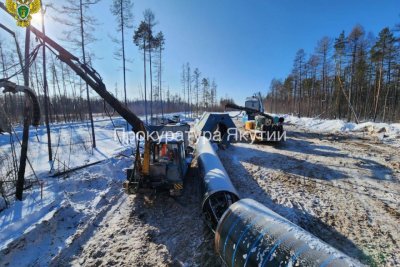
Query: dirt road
{"points": [[150, 230], [343, 188]]}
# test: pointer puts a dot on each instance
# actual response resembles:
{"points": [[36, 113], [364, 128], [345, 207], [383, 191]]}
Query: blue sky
{"points": [[242, 44]]}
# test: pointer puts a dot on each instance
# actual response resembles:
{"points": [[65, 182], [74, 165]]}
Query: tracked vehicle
{"points": [[260, 126], [148, 171]]}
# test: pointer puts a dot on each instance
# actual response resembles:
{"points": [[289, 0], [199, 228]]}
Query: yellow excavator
{"points": [[164, 161]]}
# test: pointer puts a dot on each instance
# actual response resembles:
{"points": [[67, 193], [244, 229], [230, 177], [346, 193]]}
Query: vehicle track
{"points": [[152, 230], [345, 192]]}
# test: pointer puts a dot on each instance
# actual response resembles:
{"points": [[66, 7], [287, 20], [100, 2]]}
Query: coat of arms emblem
{"points": [[23, 10]]}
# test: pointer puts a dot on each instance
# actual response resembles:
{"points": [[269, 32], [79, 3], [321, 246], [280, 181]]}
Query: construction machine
{"points": [[164, 161], [253, 103], [259, 125]]}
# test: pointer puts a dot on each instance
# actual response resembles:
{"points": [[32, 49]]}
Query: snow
{"points": [[81, 212], [343, 190], [388, 133], [340, 185], [68, 201]]}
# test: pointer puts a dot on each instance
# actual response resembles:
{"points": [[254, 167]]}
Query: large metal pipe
{"points": [[217, 188], [249, 234], [249, 110]]}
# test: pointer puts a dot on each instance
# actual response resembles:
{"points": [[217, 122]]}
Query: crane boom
{"points": [[248, 110], [91, 77]]}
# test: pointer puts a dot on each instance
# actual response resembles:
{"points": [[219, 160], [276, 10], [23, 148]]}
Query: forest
{"points": [[129, 135], [68, 98], [64, 97], [354, 76]]}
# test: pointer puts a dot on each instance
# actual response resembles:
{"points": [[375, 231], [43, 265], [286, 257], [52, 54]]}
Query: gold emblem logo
{"points": [[22, 10]]}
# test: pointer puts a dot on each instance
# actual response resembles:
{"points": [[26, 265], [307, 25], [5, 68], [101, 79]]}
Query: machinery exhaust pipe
{"points": [[217, 188], [249, 234]]}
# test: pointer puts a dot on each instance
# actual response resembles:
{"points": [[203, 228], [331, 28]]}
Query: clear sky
{"points": [[243, 44]]}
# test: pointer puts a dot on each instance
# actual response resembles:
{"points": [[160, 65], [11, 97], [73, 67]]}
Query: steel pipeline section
{"points": [[248, 233], [217, 188]]}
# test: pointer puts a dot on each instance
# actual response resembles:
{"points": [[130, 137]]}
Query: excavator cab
{"points": [[165, 161], [168, 165]]}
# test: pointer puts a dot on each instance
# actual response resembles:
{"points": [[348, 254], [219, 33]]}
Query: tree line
{"points": [[200, 92], [354, 76], [69, 97], [65, 97]]}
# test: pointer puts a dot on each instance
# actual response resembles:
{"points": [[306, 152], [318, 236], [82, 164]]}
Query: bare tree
{"points": [[122, 10], [45, 90], [298, 70], [78, 20], [196, 79], [184, 81], [189, 87], [322, 50]]}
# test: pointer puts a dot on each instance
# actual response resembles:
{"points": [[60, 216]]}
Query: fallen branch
{"points": [[77, 168]]}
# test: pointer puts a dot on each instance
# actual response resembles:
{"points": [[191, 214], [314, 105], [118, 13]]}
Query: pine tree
{"points": [[149, 19], [140, 39], [382, 53], [159, 43], [354, 41]]}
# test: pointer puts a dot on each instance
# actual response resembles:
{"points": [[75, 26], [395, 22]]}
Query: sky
{"points": [[242, 44]]}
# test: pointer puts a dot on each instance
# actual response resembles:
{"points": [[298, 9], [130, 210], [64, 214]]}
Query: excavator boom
{"points": [[91, 77]]}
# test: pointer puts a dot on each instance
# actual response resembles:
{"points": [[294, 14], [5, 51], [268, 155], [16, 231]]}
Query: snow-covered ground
{"points": [[48, 221], [339, 181], [84, 218], [385, 132], [341, 185]]}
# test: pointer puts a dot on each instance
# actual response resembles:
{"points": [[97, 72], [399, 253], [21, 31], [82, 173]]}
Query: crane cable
{"points": [[31, 59], [112, 121]]}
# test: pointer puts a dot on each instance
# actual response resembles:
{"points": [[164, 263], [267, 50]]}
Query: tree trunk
{"points": [[388, 85], [151, 84], [87, 86], [145, 79], [123, 56], [160, 77], [27, 120], [378, 91]]}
